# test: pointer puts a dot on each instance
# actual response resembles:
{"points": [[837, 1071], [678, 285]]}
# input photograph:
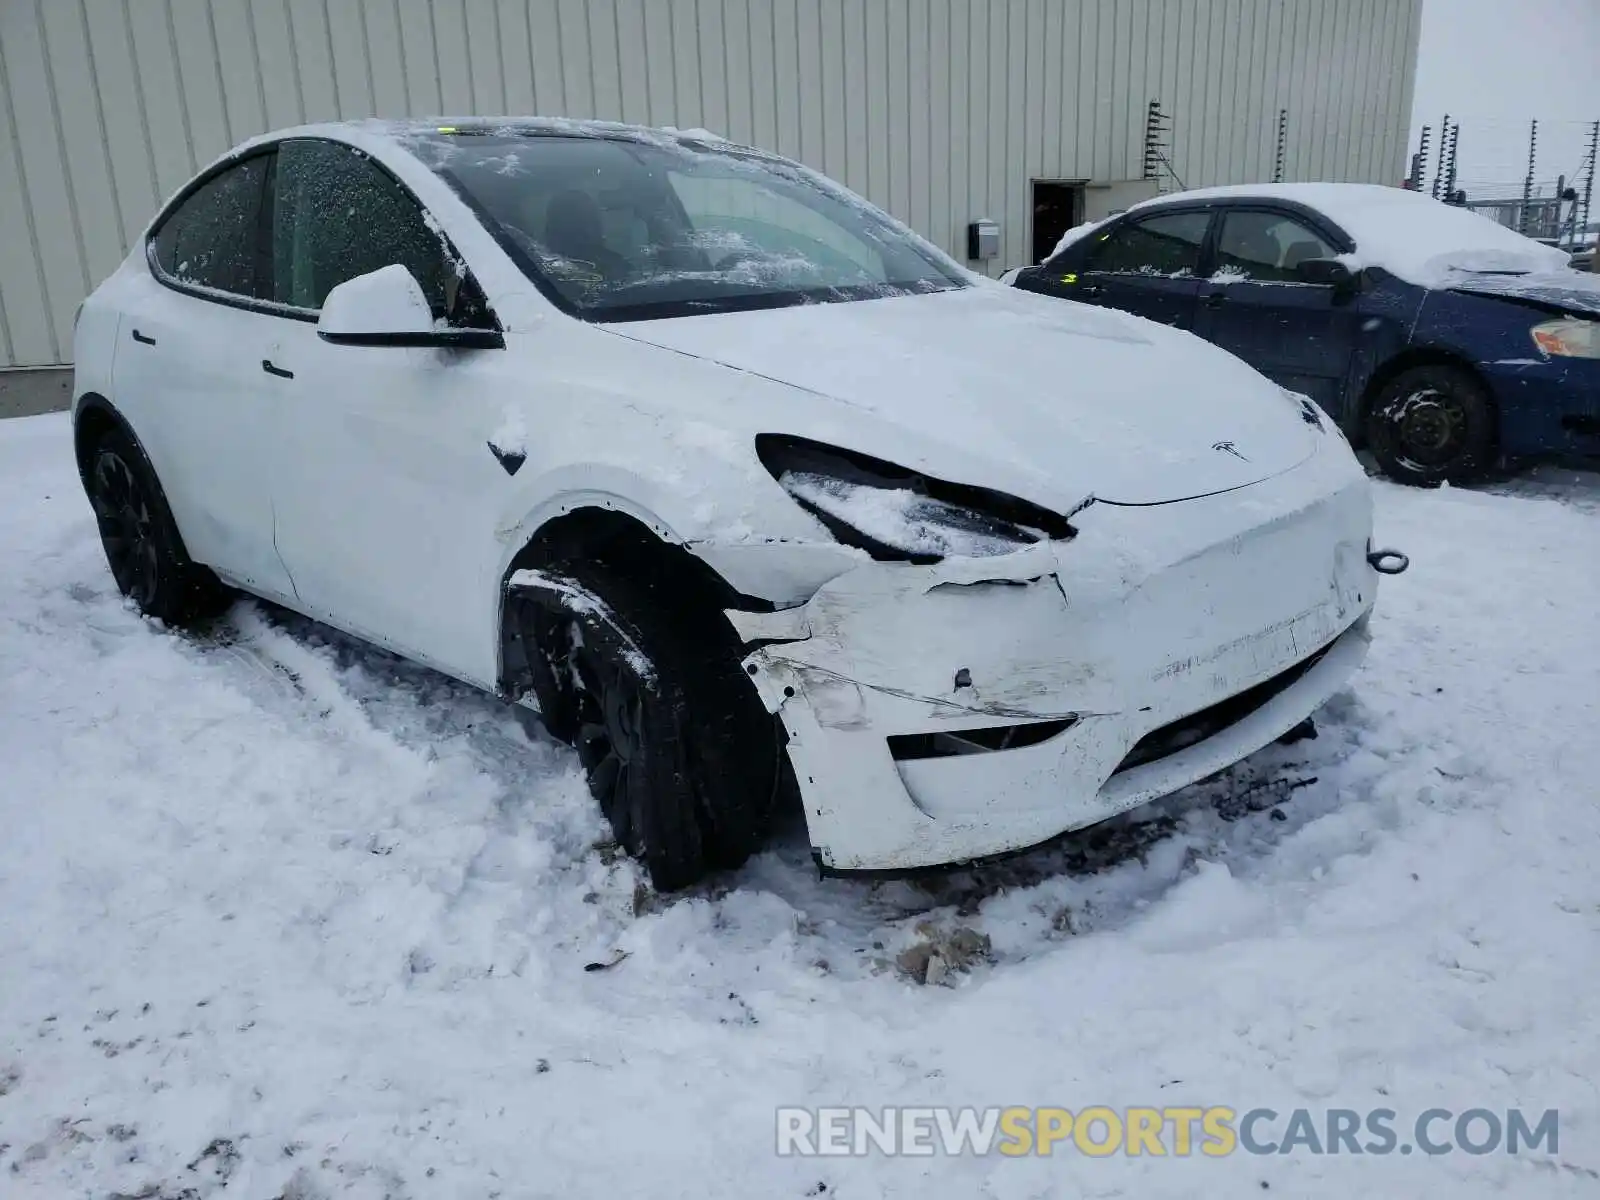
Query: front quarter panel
{"points": [[1546, 405], [666, 438], [1388, 309]]}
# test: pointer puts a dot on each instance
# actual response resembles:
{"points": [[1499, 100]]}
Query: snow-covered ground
{"points": [[281, 916]]}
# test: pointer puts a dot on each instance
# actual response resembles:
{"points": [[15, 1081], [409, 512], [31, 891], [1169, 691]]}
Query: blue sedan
{"points": [[1442, 341]]}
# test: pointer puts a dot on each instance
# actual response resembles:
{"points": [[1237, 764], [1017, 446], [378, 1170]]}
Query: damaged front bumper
{"points": [[947, 712]]}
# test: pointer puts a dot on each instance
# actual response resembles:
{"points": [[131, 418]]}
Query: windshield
{"points": [[617, 229]]}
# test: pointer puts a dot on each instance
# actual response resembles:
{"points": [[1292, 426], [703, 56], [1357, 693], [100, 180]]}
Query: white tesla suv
{"points": [[737, 481]]}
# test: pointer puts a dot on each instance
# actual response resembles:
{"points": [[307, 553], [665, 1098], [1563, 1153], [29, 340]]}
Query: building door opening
{"points": [[1057, 207]]}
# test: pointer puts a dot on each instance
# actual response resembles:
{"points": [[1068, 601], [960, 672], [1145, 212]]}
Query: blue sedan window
{"points": [[1164, 245], [1267, 246]]}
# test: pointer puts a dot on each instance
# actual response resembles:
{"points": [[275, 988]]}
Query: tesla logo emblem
{"points": [[1229, 448]]}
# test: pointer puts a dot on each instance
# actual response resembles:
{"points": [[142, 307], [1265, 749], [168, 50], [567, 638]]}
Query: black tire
{"points": [[679, 752], [142, 545], [1432, 424]]}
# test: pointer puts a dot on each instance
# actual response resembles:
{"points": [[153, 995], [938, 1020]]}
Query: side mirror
{"points": [[1325, 271], [386, 307]]}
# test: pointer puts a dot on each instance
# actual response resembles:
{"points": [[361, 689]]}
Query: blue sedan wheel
{"points": [[1430, 425]]}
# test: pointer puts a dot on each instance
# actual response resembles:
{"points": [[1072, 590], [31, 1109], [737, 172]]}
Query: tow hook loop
{"points": [[1388, 562]]}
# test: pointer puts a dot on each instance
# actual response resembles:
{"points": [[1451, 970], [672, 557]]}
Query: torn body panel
{"points": [[785, 572], [1224, 595]]}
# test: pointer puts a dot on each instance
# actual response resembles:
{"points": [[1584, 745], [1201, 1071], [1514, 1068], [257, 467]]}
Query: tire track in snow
{"points": [[358, 696], [1085, 881]]}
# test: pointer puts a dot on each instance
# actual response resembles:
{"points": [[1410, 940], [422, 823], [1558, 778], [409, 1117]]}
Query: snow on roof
{"points": [[518, 124], [405, 127], [1408, 234]]}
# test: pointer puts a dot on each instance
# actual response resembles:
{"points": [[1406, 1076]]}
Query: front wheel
{"points": [[680, 754], [1430, 425]]}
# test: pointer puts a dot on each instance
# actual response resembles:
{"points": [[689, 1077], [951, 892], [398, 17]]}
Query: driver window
{"points": [[338, 215], [1267, 247]]}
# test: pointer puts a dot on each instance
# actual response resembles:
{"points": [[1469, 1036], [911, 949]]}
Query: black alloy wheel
{"points": [[141, 541], [127, 527], [681, 756], [611, 739]]}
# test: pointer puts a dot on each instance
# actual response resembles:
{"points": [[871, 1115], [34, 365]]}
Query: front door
{"points": [[386, 492], [1300, 335]]}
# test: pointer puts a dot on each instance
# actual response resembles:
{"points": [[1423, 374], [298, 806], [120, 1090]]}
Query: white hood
{"points": [[1016, 388]]}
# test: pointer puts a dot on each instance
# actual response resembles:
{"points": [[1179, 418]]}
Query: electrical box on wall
{"points": [[983, 239]]}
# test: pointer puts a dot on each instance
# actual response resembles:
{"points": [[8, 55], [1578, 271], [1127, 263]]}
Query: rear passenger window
{"points": [[213, 238], [1165, 245]]}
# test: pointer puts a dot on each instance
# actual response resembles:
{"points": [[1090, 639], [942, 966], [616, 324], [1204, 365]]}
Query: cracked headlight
{"points": [[899, 515]]}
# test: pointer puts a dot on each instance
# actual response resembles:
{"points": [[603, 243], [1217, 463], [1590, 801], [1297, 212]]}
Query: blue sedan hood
{"points": [[1567, 291]]}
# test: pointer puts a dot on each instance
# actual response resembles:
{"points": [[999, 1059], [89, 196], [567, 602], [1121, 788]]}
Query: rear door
{"points": [[187, 371], [1148, 266], [1303, 336]]}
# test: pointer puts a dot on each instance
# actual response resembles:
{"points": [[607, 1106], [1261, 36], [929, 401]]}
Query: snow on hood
{"points": [[1568, 290], [1415, 237], [995, 387]]}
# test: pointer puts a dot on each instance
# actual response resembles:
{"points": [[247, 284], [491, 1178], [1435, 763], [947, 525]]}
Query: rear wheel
{"points": [[681, 756], [1432, 424], [141, 541]]}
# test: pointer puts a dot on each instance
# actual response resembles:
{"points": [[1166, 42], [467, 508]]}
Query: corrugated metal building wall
{"points": [[941, 111]]}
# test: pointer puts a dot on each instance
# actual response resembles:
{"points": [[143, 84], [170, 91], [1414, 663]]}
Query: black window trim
{"points": [[273, 308], [1216, 208]]}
